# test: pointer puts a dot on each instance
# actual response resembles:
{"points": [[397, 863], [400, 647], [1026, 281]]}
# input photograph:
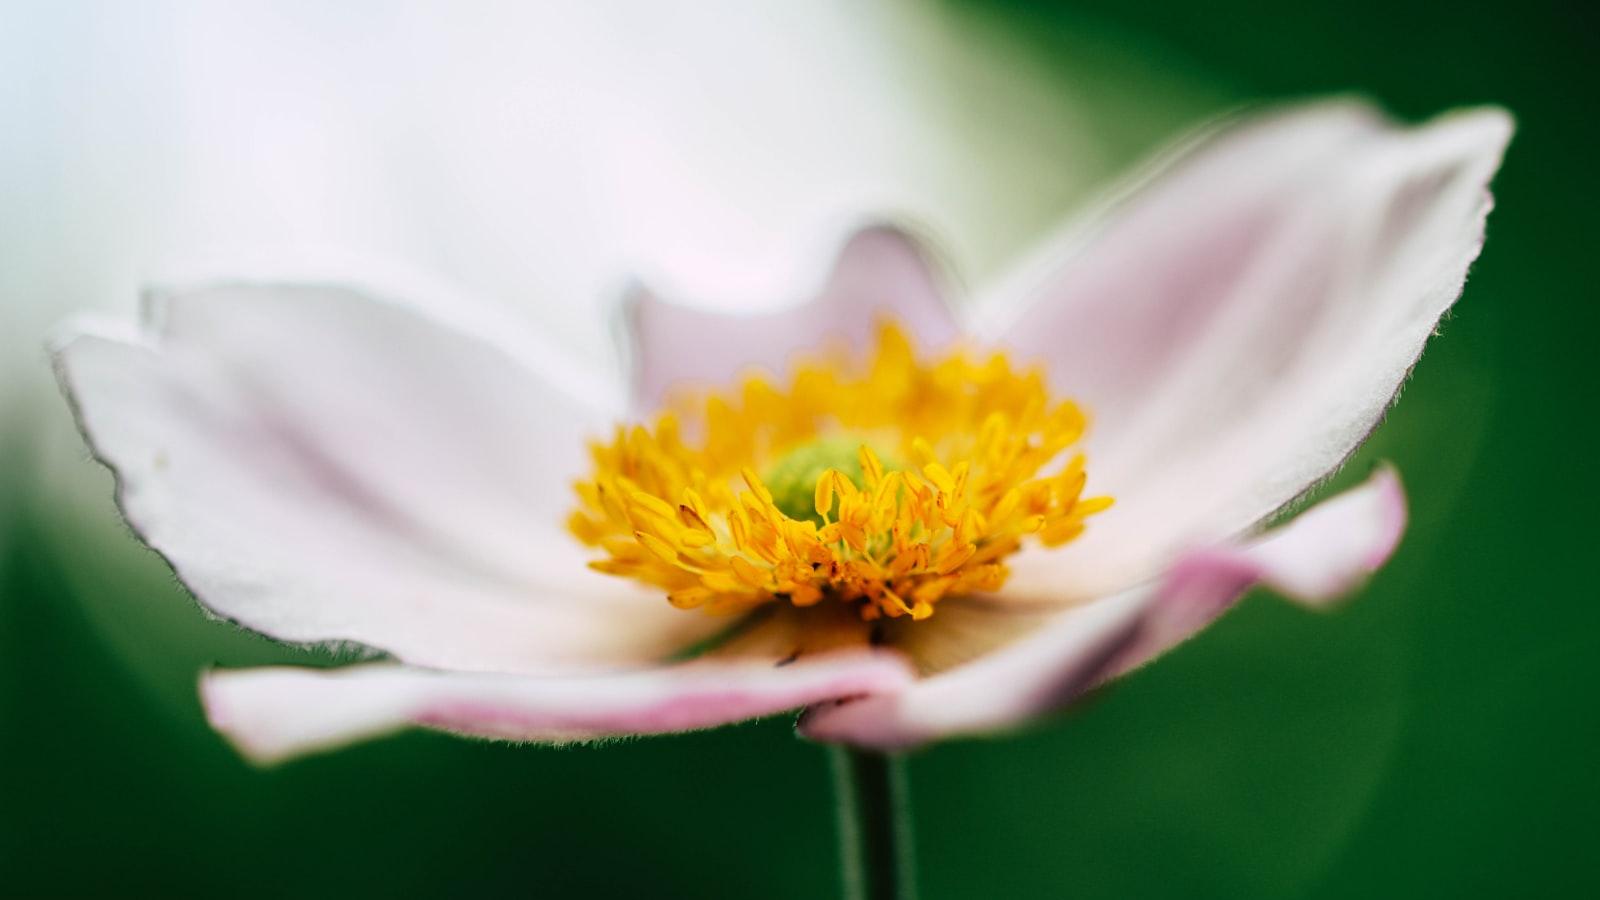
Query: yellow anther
{"points": [[660, 548], [871, 466], [690, 597], [691, 499], [1091, 506], [692, 519], [823, 496], [693, 537], [941, 477], [654, 504], [753, 482]]}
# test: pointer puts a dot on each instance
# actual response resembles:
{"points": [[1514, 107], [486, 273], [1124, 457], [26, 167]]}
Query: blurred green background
{"points": [[1436, 737]]}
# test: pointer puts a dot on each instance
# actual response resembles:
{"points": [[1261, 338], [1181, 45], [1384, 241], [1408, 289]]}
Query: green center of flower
{"points": [[792, 478]]}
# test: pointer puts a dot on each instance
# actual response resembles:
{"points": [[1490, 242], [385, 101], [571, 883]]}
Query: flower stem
{"points": [[874, 821]]}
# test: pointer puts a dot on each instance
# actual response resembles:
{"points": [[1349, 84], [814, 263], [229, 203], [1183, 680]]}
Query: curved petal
{"points": [[1242, 323], [879, 272], [276, 713], [1321, 554], [320, 465]]}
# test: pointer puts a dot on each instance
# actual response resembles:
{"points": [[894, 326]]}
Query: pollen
{"points": [[885, 484]]}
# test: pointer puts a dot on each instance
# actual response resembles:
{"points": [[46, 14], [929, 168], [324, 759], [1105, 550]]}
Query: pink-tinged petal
{"points": [[1335, 545], [1322, 555], [1241, 324], [880, 272], [1316, 557], [320, 465], [276, 713], [1001, 690]]}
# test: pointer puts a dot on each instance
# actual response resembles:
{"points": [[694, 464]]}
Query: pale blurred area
{"points": [[532, 157]]}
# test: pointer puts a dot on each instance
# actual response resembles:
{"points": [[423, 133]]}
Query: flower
{"points": [[322, 465]]}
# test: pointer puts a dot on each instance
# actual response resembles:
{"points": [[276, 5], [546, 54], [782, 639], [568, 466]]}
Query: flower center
{"points": [[679, 505]]}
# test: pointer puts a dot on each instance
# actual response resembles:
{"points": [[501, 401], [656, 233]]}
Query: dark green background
{"points": [[1438, 737]]}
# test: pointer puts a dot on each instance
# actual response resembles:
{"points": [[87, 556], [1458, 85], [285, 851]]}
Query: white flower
{"points": [[319, 464]]}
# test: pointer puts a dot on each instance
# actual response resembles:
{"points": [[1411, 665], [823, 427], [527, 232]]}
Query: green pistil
{"points": [[793, 477]]}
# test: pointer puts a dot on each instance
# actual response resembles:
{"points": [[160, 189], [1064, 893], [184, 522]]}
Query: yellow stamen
{"points": [[836, 518]]}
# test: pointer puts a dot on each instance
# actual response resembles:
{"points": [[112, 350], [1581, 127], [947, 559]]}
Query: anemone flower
{"points": [[871, 508]]}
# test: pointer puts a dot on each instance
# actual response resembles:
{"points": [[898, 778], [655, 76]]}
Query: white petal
{"points": [[880, 272], [1241, 325], [272, 714], [319, 465], [1326, 552]]}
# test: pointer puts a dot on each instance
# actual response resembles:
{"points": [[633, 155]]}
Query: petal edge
{"points": [[273, 714]]}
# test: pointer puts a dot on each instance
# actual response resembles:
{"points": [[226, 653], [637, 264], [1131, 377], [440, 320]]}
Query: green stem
{"points": [[874, 821]]}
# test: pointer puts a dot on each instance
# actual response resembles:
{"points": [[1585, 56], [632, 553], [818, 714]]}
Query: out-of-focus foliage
{"points": [[1435, 737]]}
